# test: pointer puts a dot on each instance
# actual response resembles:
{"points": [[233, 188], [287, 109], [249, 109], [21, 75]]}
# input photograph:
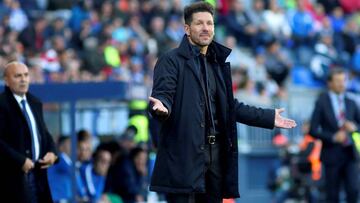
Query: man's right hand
{"points": [[158, 107], [350, 126], [340, 136], [28, 165]]}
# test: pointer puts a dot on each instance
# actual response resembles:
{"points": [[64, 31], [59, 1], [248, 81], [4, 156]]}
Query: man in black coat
{"points": [[334, 119], [197, 159], [26, 147]]}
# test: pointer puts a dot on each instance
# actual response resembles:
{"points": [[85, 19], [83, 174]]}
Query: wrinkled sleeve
{"points": [[165, 84], [253, 116]]}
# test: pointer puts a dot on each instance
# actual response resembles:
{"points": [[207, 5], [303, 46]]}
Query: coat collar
{"points": [[10, 95], [221, 52], [8, 92]]}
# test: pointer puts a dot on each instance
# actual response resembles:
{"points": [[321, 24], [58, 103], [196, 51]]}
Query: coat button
{"points": [[202, 124], [202, 147], [27, 151]]}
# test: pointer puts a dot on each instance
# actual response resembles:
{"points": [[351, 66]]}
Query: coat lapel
{"points": [[191, 64], [14, 104], [221, 53], [36, 117], [347, 109]]}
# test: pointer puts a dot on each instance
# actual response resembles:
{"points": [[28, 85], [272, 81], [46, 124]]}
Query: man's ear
{"points": [[6, 80], [187, 29]]}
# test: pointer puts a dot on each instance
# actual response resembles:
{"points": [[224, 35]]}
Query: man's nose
{"points": [[206, 27]]}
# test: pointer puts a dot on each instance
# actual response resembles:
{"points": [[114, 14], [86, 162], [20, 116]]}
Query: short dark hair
{"points": [[61, 140], [83, 135], [334, 71], [195, 8]]}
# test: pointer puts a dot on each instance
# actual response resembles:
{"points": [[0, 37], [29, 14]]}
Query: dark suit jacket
{"points": [[324, 126], [15, 147]]}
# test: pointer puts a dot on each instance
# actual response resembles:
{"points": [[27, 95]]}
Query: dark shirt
{"points": [[206, 68]]}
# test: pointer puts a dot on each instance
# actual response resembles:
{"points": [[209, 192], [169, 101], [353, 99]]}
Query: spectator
{"points": [[246, 61], [337, 19], [137, 72], [302, 27], [127, 177], [157, 30], [277, 62], [350, 37], [18, 20], [94, 60], [60, 174], [106, 12], [79, 13], [247, 92], [93, 174], [257, 19], [277, 22], [174, 30], [325, 58], [33, 37], [4, 9], [334, 126], [239, 25], [121, 33], [329, 5], [24, 176], [318, 15], [58, 28], [84, 151]]}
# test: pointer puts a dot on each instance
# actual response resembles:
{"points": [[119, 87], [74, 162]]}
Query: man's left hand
{"points": [[48, 160], [350, 126], [282, 122]]}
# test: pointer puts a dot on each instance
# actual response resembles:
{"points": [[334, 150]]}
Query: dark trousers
{"points": [[32, 185], [335, 175], [213, 180]]}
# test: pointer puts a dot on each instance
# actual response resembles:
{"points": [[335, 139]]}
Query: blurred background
{"points": [[91, 62]]}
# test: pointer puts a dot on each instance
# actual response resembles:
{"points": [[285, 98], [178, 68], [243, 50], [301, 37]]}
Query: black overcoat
{"points": [[180, 161], [15, 146]]}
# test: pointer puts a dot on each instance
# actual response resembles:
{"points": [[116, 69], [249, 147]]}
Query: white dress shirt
{"points": [[33, 124]]}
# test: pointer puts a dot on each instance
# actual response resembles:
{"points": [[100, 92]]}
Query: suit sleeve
{"points": [[316, 129], [357, 116], [254, 116], [165, 84], [6, 151]]}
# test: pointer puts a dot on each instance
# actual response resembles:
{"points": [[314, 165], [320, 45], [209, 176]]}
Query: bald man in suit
{"points": [[26, 147]]}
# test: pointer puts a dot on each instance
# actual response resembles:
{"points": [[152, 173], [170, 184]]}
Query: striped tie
{"points": [[341, 113]]}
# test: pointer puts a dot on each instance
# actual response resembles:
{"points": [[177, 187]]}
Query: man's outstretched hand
{"points": [[158, 107], [282, 122]]}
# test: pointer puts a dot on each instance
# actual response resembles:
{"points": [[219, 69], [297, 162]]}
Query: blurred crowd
{"points": [[96, 40], [65, 41], [113, 171], [274, 38]]}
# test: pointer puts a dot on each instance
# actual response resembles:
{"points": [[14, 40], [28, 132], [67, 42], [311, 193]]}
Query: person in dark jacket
{"points": [[127, 177], [26, 147], [197, 159], [334, 119]]}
